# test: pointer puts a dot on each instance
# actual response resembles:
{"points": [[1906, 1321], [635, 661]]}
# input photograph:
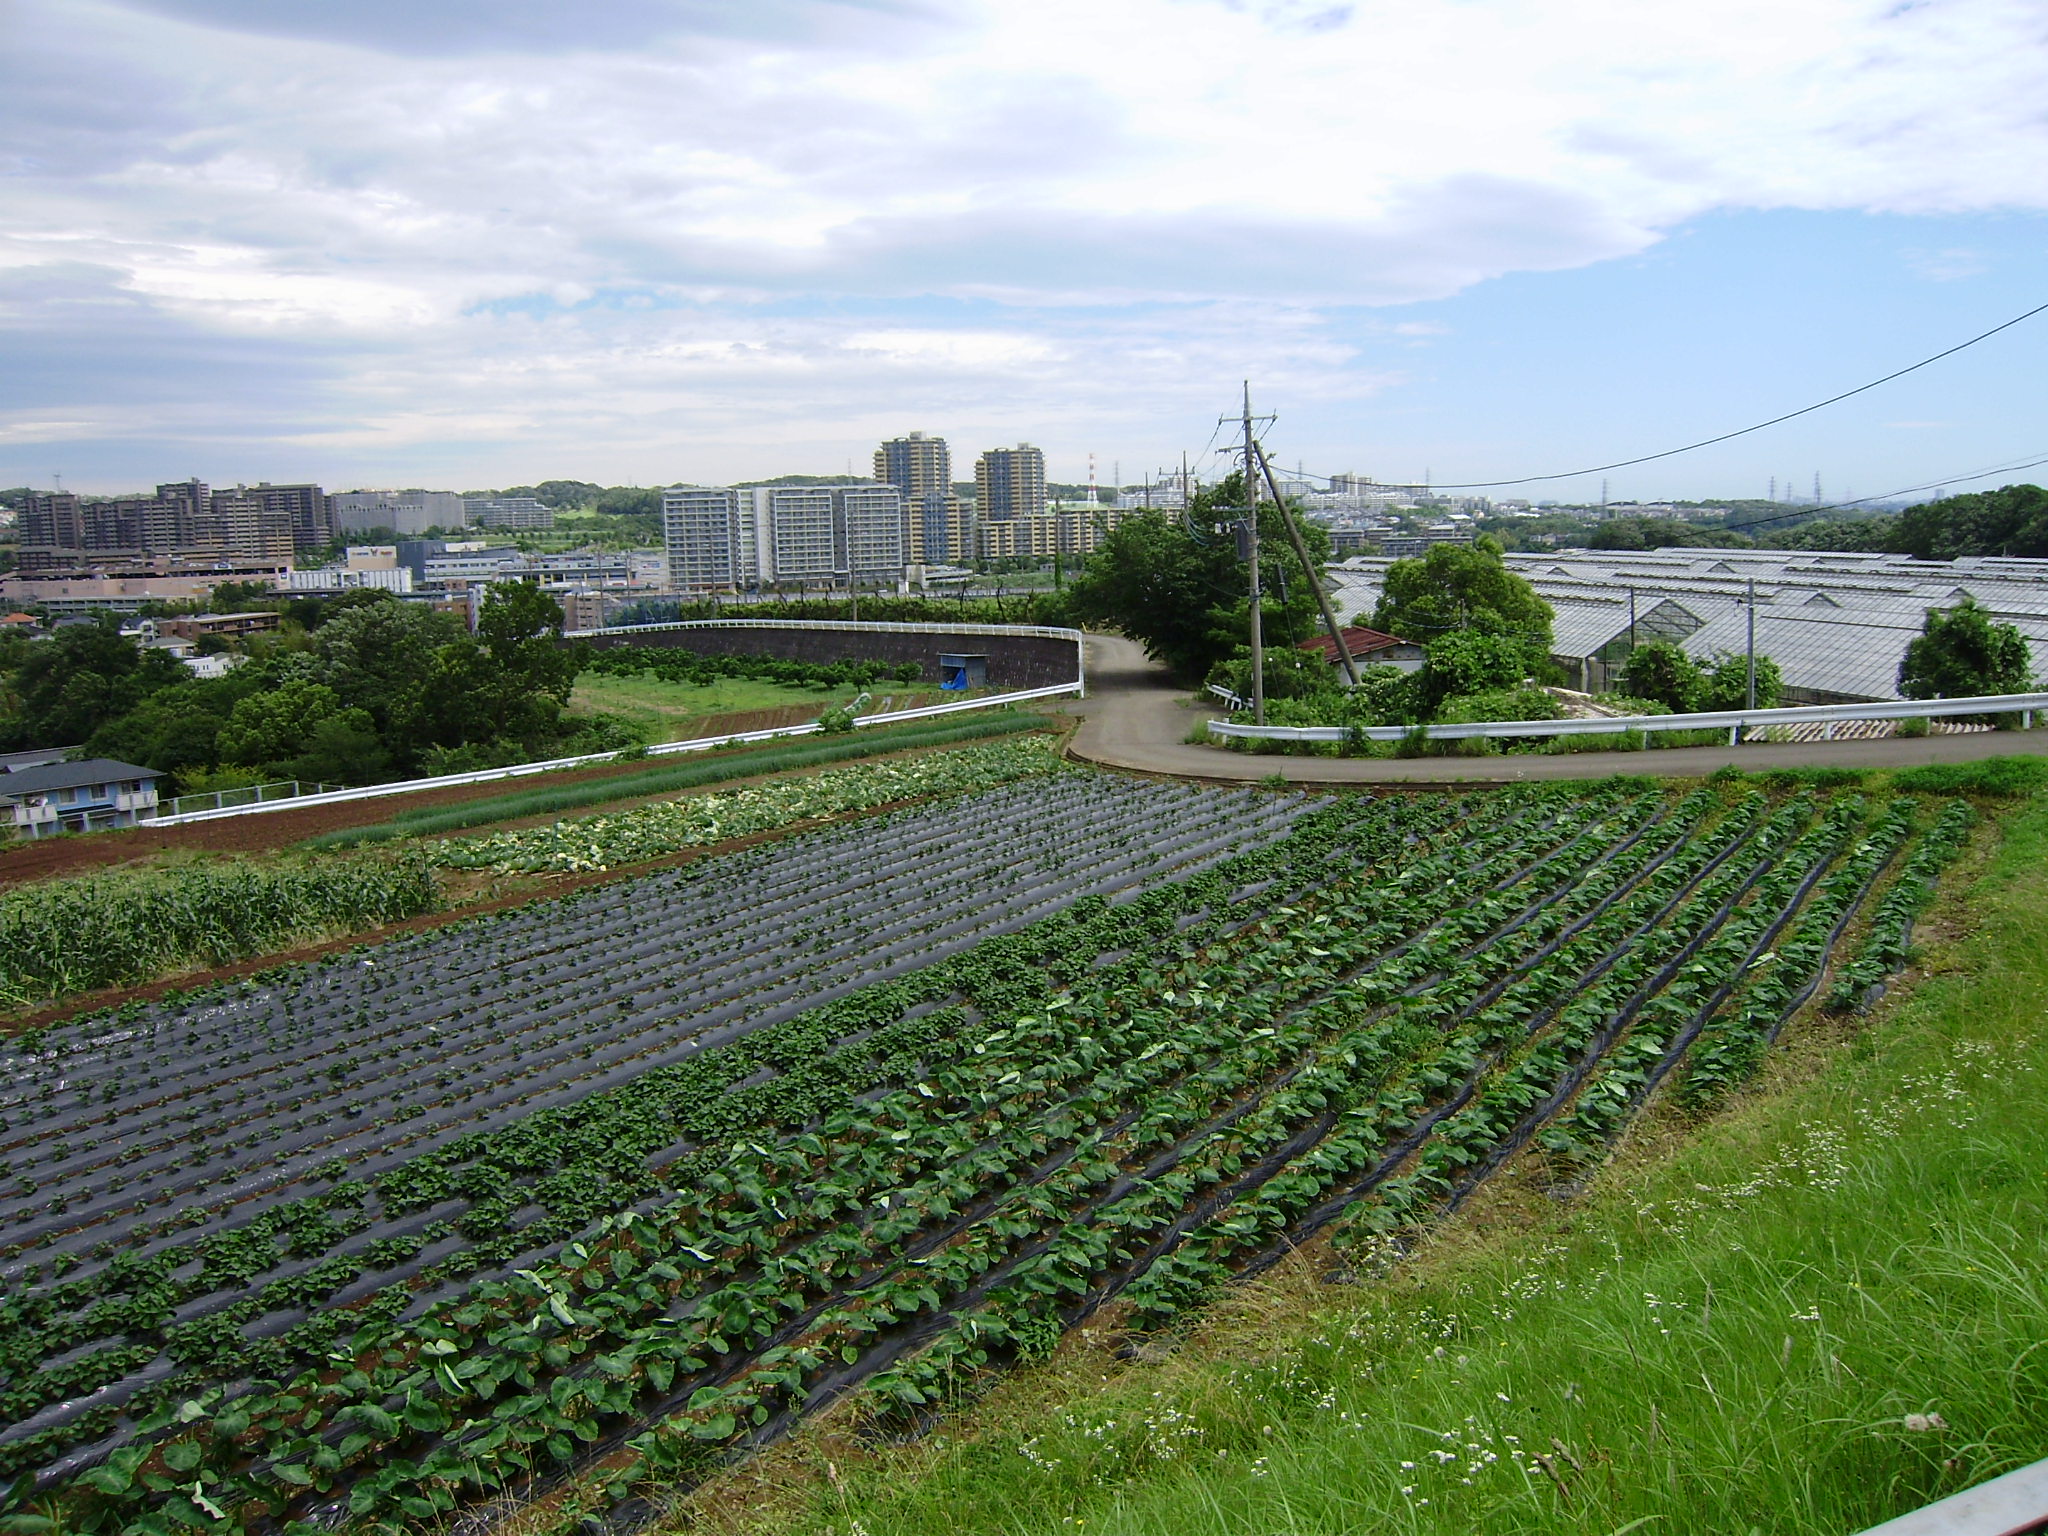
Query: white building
{"points": [[723, 537], [341, 578]]}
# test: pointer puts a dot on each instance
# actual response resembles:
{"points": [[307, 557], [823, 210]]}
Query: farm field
{"points": [[642, 1176], [671, 711], [446, 808]]}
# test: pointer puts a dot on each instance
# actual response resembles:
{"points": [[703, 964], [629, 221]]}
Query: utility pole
{"points": [[1751, 704], [1308, 570], [1251, 497]]}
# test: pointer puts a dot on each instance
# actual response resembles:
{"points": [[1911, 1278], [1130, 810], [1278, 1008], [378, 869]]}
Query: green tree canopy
{"points": [[1962, 653], [276, 724], [1179, 587], [1661, 672], [1724, 683], [82, 678], [1463, 587], [1468, 661], [2012, 520]]}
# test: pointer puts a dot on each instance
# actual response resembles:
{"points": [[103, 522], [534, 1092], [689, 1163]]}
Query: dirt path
{"points": [[1135, 719]]}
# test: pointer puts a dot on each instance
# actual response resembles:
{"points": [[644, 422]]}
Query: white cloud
{"points": [[740, 231]]}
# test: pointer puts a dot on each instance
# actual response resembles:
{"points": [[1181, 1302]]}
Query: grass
{"points": [[1824, 1307], [666, 711], [687, 773]]}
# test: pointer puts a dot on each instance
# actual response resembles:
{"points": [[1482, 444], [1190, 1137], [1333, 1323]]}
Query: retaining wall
{"points": [[1018, 656]]}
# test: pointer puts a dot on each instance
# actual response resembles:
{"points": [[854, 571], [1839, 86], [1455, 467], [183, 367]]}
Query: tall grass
{"points": [[804, 752], [1826, 1309], [65, 936]]}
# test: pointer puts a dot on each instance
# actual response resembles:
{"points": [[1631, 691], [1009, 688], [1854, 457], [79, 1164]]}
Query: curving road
{"points": [[1134, 718]]}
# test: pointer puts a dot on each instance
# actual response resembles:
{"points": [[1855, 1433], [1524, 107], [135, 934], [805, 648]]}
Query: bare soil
{"points": [[266, 831]]}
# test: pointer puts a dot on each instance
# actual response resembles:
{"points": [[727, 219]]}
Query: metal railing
{"points": [[857, 626], [665, 749], [243, 795], [2013, 1505], [1734, 721]]}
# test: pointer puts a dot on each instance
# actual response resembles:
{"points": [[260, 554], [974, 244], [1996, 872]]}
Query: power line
{"points": [[1708, 442], [1843, 506]]}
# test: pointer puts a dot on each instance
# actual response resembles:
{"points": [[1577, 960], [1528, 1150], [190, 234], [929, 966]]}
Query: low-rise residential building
{"points": [[1369, 648], [503, 513], [78, 797], [1069, 531], [229, 626], [405, 512], [64, 597]]}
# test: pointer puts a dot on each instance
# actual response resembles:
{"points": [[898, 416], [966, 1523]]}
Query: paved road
{"points": [[1134, 718]]}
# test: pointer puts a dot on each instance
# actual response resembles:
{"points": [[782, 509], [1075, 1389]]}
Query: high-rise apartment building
{"points": [[916, 465], [1010, 482], [708, 547], [726, 538], [921, 467], [185, 522]]}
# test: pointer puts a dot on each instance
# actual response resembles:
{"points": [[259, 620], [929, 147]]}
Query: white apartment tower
{"points": [[726, 538]]}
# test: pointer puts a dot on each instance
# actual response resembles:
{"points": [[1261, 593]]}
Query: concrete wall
{"points": [[1015, 660]]}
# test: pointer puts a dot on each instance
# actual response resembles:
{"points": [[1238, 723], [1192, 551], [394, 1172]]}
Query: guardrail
{"points": [[1734, 721], [245, 794], [665, 749], [885, 626], [2013, 1505]]}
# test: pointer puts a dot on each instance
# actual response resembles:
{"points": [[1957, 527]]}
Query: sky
{"points": [[477, 243]]}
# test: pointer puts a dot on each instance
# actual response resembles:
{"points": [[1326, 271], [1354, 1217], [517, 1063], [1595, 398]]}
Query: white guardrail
{"points": [[2013, 1505], [666, 749], [1734, 721]]}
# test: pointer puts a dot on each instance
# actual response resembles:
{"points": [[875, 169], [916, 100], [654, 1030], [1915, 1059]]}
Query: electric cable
{"points": [[1708, 442]]}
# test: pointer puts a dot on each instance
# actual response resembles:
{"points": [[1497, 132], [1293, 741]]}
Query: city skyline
{"points": [[473, 246]]}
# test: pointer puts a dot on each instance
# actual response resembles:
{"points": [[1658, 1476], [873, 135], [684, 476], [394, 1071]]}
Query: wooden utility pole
{"points": [[1308, 568], [1251, 496], [1750, 701]]}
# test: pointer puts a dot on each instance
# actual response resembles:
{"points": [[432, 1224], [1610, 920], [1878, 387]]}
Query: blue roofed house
{"points": [[77, 797]]}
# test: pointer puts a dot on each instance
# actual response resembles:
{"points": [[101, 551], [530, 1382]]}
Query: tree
{"points": [[1151, 579], [527, 673], [1467, 661], [276, 724], [1724, 683], [2012, 520], [85, 677], [380, 657], [1178, 586], [1663, 674], [1463, 587], [1964, 653]]}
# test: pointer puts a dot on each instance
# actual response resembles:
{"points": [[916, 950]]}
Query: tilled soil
{"points": [[264, 830]]}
